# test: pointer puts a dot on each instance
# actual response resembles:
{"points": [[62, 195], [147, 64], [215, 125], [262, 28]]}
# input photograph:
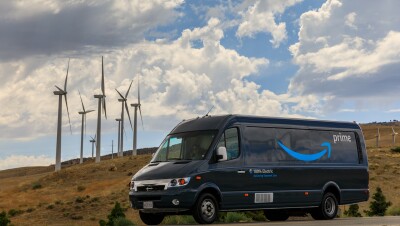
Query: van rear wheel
{"points": [[205, 210], [151, 218], [276, 215], [328, 208]]}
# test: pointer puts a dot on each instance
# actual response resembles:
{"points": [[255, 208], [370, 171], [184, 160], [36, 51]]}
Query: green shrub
{"points": [[232, 217], [116, 212], [256, 215], [393, 211], [179, 219], [121, 221], [14, 212], [36, 185], [379, 206], [353, 211], [396, 149], [4, 221]]}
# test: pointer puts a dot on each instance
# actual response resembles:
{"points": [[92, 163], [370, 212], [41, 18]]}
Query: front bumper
{"points": [[162, 200]]}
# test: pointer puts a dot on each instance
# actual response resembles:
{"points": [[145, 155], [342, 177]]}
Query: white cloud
{"points": [[15, 161], [393, 111], [344, 50], [350, 19], [260, 16], [178, 80]]}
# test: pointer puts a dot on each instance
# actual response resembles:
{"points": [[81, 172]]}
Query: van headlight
{"points": [[178, 182], [132, 185]]}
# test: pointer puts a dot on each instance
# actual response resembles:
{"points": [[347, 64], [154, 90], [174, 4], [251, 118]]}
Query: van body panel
{"points": [[249, 182]]}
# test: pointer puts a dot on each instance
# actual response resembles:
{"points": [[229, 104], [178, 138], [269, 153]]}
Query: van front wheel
{"points": [[328, 208], [205, 210], [151, 218]]}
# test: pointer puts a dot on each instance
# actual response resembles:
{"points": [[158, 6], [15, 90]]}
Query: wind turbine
{"points": [[83, 113], [61, 92], [378, 137], [93, 140], [136, 106], [119, 136], [123, 100], [394, 134], [102, 103]]}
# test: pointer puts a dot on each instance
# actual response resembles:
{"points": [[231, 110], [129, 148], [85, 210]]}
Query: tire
{"points": [[205, 210], [328, 208], [151, 218], [276, 215]]}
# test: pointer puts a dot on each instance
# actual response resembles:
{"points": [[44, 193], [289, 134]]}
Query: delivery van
{"points": [[240, 163]]}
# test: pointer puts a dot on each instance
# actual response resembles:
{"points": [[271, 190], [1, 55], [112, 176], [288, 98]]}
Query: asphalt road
{"points": [[365, 221]]}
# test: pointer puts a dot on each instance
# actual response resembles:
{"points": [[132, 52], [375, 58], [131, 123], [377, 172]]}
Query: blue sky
{"points": [[334, 60]]}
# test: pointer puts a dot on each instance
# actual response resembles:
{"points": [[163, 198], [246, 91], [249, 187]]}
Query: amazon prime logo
{"points": [[341, 138]]}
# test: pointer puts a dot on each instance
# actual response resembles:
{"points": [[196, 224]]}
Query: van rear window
{"points": [[300, 146]]}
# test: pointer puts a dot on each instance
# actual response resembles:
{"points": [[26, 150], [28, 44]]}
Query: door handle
{"points": [[241, 171]]}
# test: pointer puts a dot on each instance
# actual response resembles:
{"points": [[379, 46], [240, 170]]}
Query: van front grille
{"points": [[151, 188]]}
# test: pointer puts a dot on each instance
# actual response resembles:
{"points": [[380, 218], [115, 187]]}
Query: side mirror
{"points": [[221, 154]]}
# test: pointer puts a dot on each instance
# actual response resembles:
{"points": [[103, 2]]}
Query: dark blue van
{"points": [[234, 163]]}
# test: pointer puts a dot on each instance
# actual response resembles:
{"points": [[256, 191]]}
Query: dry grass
{"points": [[60, 202]]}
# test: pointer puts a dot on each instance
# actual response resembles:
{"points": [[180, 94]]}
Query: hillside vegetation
{"points": [[84, 194]]}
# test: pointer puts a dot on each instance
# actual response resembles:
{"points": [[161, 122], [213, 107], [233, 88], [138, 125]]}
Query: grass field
{"points": [[84, 194]]}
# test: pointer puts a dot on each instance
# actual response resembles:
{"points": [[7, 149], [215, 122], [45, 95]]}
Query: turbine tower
{"points": [[61, 92], [136, 106], [119, 136], [93, 140], [378, 137], [83, 113], [102, 104], [394, 134], [123, 100]]}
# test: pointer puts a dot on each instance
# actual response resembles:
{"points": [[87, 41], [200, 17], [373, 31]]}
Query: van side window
{"points": [[230, 140]]}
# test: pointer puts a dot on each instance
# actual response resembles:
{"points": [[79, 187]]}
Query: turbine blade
{"points": [[129, 116], [60, 89], [83, 106], [91, 137], [69, 120], [66, 77], [138, 91], [104, 107], [102, 77], [393, 130], [95, 136], [120, 94], [140, 111], [88, 111], [127, 92]]}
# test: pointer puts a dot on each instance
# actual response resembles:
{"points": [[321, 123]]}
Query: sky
{"points": [[331, 60]]}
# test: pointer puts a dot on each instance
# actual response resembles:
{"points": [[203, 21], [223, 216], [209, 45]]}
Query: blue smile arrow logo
{"points": [[308, 157]]}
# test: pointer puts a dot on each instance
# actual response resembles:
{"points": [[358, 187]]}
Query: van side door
{"points": [[228, 175]]}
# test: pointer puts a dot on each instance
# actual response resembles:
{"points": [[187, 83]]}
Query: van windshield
{"points": [[184, 146]]}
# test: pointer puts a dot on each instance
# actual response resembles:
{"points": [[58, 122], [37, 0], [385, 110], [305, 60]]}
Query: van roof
{"points": [[216, 122]]}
